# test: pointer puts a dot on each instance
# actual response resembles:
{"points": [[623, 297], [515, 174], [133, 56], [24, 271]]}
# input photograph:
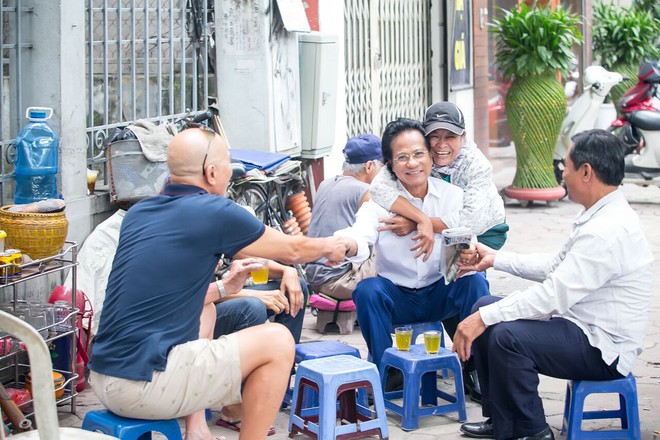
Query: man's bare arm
{"points": [[288, 249]]}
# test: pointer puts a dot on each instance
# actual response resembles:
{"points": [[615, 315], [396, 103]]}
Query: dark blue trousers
{"points": [[509, 357], [381, 304]]}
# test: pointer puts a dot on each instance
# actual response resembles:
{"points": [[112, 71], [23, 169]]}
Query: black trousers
{"points": [[509, 357]]}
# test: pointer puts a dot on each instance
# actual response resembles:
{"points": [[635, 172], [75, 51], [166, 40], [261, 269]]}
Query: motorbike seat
{"points": [[237, 169], [646, 119]]}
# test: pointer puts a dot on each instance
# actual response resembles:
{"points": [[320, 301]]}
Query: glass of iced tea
{"points": [[260, 276], [432, 341], [403, 338]]}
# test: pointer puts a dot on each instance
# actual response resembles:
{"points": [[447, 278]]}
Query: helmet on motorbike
{"points": [[631, 137]]}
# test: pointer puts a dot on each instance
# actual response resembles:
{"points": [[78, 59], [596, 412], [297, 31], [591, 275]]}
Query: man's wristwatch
{"points": [[221, 288]]}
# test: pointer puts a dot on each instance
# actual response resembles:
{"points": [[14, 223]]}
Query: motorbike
{"points": [[639, 127], [583, 113]]}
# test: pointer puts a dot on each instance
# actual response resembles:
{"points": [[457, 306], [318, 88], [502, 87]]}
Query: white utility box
{"points": [[258, 75], [318, 93]]}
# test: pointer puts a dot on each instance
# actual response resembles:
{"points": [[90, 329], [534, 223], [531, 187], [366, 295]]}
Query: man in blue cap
{"points": [[337, 201]]}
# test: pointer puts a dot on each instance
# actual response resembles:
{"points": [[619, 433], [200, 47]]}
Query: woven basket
{"points": [[38, 235]]}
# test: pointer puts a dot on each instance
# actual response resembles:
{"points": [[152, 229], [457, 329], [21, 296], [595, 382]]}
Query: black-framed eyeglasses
{"points": [[208, 146], [211, 133]]}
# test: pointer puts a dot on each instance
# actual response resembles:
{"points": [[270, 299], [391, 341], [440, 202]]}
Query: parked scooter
{"points": [[583, 113], [639, 127]]}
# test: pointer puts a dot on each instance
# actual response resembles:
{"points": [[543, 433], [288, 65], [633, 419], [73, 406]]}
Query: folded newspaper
{"points": [[454, 240]]}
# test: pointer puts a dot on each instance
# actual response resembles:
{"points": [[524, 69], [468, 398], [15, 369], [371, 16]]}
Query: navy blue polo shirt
{"points": [[169, 246]]}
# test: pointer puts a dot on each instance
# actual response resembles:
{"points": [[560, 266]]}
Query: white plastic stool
{"points": [[42, 386]]}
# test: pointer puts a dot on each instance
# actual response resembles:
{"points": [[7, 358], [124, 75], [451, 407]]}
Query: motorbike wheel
{"points": [[254, 196]]}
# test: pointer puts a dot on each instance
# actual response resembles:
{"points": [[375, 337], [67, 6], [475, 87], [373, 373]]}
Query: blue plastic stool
{"points": [[129, 429], [419, 328], [420, 373], [316, 350], [337, 378], [576, 393]]}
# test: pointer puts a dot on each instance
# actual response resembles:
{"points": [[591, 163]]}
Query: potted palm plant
{"points": [[533, 44], [623, 38]]}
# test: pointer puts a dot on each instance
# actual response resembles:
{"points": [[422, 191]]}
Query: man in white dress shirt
{"points": [[585, 319], [407, 289]]}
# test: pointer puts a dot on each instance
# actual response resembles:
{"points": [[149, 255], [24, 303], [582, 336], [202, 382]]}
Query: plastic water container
{"points": [[37, 158]]}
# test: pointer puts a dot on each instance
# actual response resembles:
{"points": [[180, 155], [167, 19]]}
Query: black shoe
{"points": [[471, 385], [394, 381], [478, 430], [546, 434]]}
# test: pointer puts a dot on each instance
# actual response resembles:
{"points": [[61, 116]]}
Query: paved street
{"points": [[538, 227]]}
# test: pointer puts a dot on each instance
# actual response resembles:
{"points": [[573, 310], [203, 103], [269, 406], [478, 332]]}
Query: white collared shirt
{"points": [[600, 280], [394, 259]]}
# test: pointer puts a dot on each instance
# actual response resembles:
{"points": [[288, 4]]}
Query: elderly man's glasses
{"points": [[208, 146], [211, 134], [403, 159]]}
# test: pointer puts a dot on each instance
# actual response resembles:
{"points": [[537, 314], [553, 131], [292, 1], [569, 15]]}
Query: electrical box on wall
{"points": [[318, 93], [258, 74]]}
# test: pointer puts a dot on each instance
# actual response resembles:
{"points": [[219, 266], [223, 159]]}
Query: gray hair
{"points": [[353, 169]]}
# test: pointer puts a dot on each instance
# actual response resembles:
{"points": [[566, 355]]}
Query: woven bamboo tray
{"points": [[38, 235]]}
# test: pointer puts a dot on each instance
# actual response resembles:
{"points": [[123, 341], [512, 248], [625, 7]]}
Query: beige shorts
{"points": [[199, 374]]}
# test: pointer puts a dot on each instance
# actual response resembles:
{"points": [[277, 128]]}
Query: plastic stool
{"points": [[341, 312], [129, 429], [337, 378], [316, 350], [419, 328], [420, 372], [576, 393]]}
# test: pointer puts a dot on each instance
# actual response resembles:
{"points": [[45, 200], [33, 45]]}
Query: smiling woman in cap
{"points": [[458, 161]]}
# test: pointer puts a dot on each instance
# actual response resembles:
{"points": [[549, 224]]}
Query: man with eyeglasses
{"points": [[407, 289], [154, 355]]}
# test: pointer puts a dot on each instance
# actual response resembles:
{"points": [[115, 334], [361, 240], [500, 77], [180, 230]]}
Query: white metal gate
{"points": [[387, 62]]}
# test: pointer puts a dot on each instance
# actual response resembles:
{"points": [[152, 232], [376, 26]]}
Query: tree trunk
{"points": [[535, 108]]}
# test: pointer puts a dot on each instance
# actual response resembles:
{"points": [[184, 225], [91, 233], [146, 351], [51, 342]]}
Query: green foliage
{"points": [[624, 36], [653, 6], [535, 41]]}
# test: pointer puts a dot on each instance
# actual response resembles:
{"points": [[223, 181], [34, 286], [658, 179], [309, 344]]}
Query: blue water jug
{"points": [[37, 158]]}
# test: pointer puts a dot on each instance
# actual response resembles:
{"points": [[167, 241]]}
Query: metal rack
{"points": [[66, 259]]}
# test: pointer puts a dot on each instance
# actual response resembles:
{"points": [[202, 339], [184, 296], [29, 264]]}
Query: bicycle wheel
{"points": [[254, 196]]}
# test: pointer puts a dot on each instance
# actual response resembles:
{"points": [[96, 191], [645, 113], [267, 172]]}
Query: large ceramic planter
{"points": [[628, 71], [535, 108]]}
